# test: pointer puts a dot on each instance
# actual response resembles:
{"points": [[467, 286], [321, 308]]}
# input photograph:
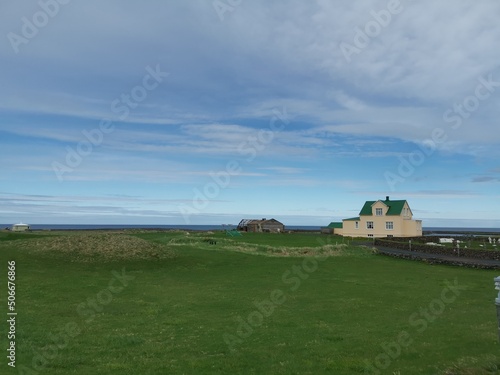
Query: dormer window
{"points": [[378, 212]]}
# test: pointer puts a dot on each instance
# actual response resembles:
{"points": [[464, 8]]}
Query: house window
{"points": [[378, 212], [356, 225], [370, 235], [390, 236], [389, 225], [369, 225]]}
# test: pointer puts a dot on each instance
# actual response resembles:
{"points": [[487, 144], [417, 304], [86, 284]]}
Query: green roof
{"points": [[395, 207], [352, 219], [334, 225]]}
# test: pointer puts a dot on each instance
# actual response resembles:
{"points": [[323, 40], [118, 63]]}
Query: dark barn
{"points": [[262, 225]]}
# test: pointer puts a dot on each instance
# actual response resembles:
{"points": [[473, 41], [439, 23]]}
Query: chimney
{"points": [[386, 197]]}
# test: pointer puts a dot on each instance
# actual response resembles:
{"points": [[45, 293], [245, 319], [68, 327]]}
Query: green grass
{"points": [[12, 236], [173, 316]]}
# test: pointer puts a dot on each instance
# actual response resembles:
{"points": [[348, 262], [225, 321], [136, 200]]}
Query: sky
{"points": [[207, 112]]}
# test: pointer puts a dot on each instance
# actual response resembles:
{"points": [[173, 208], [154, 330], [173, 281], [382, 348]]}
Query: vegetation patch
{"points": [[14, 236], [91, 247], [280, 251], [255, 243], [488, 365]]}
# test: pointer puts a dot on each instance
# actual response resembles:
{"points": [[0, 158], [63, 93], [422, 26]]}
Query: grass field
{"points": [[177, 303]]}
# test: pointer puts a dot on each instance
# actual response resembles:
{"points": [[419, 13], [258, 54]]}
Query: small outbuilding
{"points": [[20, 227], [332, 228], [262, 225]]}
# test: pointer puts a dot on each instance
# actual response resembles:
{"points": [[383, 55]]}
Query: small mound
{"points": [[325, 250], [105, 246], [284, 251]]}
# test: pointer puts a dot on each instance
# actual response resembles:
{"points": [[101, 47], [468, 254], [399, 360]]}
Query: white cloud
{"points": [[226, 78]]}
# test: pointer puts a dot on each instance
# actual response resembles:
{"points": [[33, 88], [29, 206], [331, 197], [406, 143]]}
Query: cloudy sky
{"points": [[204, 112]]}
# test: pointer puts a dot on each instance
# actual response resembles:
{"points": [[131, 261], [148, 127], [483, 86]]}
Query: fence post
{"points": [[497, 303]]}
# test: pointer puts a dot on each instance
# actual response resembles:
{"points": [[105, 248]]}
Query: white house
{"points": [[20, 227]]}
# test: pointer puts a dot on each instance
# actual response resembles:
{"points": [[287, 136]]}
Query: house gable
{"points": [[379, 206], [390, 207]]}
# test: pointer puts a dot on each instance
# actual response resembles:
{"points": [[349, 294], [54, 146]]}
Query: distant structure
{"points": [[262, 225], [332, 228], [382, 218], [446, 240], [20, 227]]}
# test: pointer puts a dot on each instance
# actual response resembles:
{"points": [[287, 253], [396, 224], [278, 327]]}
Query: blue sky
{"points": [[205, 112]]}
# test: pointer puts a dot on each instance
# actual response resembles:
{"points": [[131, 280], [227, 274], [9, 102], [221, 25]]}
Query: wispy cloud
{"points": [[485, 179], [285, 170], [347, 122]]}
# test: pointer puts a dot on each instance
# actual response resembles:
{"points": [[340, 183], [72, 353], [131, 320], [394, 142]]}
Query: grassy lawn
{"points": [[255, 304]]}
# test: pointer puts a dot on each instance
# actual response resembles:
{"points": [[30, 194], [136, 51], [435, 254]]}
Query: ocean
{"points": [[142, 226]]}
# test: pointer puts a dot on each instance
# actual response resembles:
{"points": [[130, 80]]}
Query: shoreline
{"points": [[445, 232]]}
